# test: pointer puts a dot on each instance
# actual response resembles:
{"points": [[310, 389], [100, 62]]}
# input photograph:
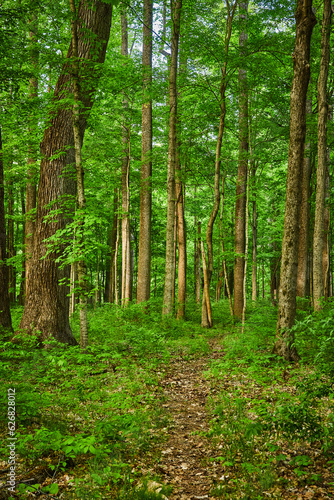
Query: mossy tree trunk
{"points": [[305, 21]]}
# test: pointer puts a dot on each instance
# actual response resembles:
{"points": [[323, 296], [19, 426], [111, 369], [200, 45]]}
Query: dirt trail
{"points": [[185, 457]]}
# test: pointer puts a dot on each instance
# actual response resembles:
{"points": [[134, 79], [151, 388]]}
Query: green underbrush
{"points": [[272, 422], [87, 419]]}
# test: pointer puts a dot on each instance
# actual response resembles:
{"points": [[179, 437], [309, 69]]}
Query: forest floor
{"points": [[157, 410], [185, 457]]}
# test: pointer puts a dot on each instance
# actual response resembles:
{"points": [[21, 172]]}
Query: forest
{"points": [[166, 249]]}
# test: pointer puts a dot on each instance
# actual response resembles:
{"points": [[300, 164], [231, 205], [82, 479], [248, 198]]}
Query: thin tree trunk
{"points": [[176, 6], [110, 279], [305, 20], [10, 243], [197, 258], [240, 204], [5, 316], [125, 174], [246, 258], [325, 251], [144, 258], [318, 234], [304, 229], [206, 290], [115, 262], [206, 323], [254, 232], [181, 237], [81, 200], [47, 303], [32, 154]]}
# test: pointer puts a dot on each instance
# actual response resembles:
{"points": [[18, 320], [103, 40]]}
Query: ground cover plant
{"points": [[273, 421], [97, 423]]}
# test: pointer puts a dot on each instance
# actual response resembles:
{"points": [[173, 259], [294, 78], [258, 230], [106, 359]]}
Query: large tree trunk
{"points": [[144, 258], [318, 234], [47, 304], [176, 6], [305, 20], [240, 204], [5, 317]]}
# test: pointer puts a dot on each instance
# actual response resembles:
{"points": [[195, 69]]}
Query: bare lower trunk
{"points": [[10, 243], [31, 191], [206, 321], [126, 254], [181, 237], [305, 20], [254, 233], [325, 250], [144, 257], [197, 260], [240, 204], [47, 303], [5, 317], [172, 145], [304, 229], [81, 200], [318, 235]]}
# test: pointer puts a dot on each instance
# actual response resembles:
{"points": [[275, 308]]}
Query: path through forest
{"points": [[185, 460]]}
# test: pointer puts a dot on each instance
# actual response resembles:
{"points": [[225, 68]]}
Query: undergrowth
{"points": [[272, 421]]}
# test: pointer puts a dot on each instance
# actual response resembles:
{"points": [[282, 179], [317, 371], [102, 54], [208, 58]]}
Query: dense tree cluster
{"points": [[147, 150]]}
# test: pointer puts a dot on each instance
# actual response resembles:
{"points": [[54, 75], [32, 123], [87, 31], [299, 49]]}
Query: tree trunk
{"points": [[32, 154], [304, 229], [11, 252], [197, 262], [109, 294], [223, 85], [325, 250], [144, 258], [5, 317], [240, 204], [47, 304], [318, 234], [305, 20], [254, 233], [125, 174], [176, 6], [81, 200], [181, 237]]}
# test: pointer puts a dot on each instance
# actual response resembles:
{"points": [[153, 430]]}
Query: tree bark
{"points": [[206, 323], [81, 200], [47, 304], [176, 6], [32, 154], [181, 237], [5, 316], [144, 257], [254, 233], [318, 234], [304, 229], [11, 251], [305, 20], [197, 262], [240, 204]]}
